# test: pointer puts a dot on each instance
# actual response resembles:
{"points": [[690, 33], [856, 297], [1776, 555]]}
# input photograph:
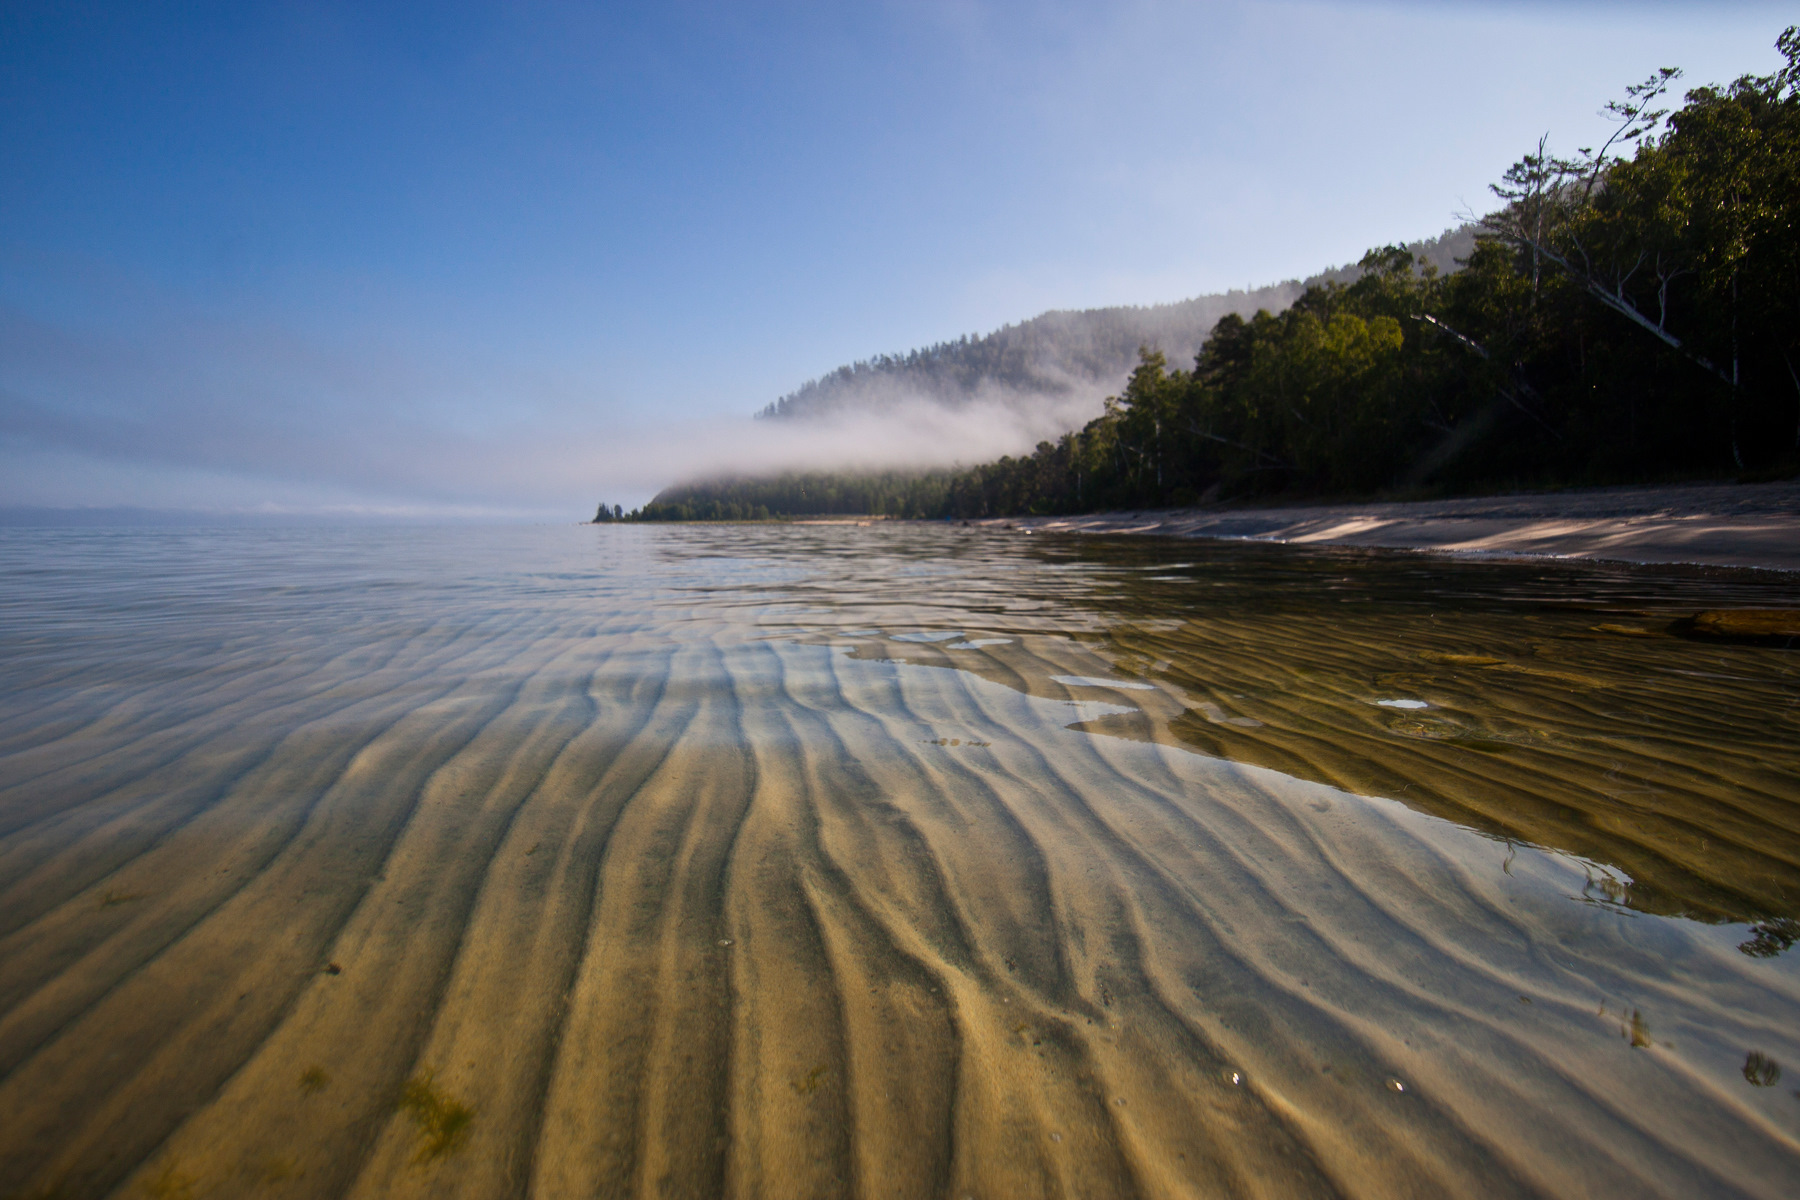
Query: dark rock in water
{"points": [[1757, 624]]}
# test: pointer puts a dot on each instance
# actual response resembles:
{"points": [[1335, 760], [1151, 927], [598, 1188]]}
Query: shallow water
{"points": [[885, 861]]}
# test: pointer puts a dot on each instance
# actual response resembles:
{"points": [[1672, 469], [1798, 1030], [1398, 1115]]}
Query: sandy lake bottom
{"points": [[888, 862]]}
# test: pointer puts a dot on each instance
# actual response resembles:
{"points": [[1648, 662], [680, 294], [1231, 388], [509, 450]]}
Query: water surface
{"points": [[885, 861]]}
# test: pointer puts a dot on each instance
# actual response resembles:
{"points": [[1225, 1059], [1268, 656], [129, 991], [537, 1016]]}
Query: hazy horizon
{"points": [[461, 262]]}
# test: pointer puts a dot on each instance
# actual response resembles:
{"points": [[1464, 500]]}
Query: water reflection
{"points": [[1674, 760], [1551, 703]]}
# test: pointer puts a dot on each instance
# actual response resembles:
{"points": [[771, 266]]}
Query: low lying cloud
{"points": [[236, 421], [901, 433]]}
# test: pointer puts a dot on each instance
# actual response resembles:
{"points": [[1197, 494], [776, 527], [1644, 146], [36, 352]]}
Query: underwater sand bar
{"points": [[724, 861], [1719, 525]]}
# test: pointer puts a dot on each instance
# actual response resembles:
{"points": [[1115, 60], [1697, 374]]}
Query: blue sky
{"points": [[509, 259]]}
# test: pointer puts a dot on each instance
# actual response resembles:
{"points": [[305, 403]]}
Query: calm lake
{"points": [[902, 861]]}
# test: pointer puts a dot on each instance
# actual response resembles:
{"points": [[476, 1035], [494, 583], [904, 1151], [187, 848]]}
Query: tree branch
{"points": [[1621, 304], [1478, 348]]}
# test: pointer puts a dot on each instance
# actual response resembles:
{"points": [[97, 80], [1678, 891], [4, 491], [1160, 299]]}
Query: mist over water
{"points": [[194, 429], [910, 860], [504, 265]]}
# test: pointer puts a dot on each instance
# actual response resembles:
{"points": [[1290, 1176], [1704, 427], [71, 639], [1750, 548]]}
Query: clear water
{"points": [[885, 861]]}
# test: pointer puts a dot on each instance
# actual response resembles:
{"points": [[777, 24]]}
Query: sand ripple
{"points": [[674, 863]]}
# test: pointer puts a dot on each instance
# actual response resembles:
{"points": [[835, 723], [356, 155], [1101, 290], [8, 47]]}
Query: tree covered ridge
{"points": [[1046, 356], [1628, 314], [914, 494], [1055, 352]]}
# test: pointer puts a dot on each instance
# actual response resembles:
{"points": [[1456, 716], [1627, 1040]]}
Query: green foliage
{"points": [[1623, 318], [1055, 352], [882, 494]]}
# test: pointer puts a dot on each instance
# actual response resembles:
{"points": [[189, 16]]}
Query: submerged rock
{"points": [[1757, 623]]}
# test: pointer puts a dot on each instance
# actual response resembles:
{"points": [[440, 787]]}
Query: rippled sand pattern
{"points": [[827, 862]]}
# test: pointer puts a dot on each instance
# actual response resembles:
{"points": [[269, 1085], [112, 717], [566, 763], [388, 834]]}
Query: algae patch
{"points": [[274, 1171], [442, 1120], [169, 1184], [1760, 1070]]}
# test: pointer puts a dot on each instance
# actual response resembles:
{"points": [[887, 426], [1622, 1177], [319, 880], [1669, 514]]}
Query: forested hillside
{"points": [[1061, 352], [810, 493], [1629, 314]]}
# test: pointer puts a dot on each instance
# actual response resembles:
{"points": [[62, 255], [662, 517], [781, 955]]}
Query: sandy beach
{"points": [[1719, 525]]}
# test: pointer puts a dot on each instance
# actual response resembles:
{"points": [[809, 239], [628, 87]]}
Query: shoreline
{"points": [[1741, 525]]}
